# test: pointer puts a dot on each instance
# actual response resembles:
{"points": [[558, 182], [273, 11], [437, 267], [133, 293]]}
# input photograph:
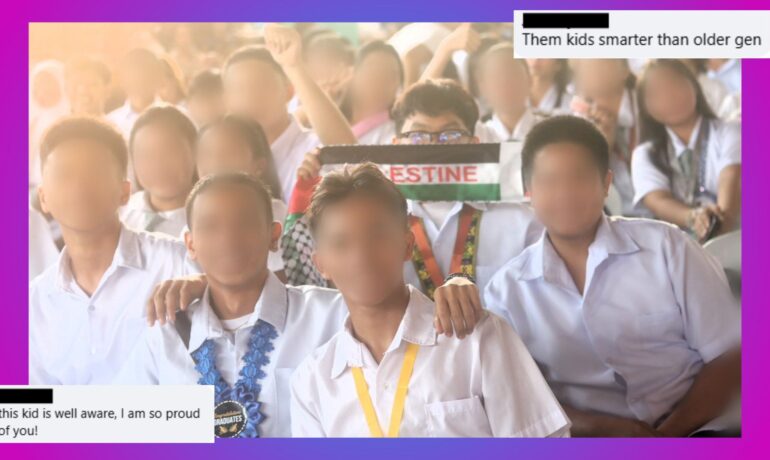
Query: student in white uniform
{"points": [[260, 81], [632, 322], [549, 92], [139, 76], [388, 373], [723, 103], [605, 95], [437, 112], [504, 83], [377, 78], [688, 169], [87, 310], [162, 147], [237, 144], [248, 331]]}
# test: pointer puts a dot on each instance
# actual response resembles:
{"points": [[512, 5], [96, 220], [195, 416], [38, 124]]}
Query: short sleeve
{"points": [[517, 399], [710, 313], [728, 145], [645, 176]]}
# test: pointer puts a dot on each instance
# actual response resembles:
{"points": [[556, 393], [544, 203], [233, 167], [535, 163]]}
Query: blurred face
{"points": [[544, 68], [46, 89], [567, 189], [669, 97], [503, 82], [82, 186], [361, 246], [230, 235], [600, 77], [169, 90], [446, 126], [220, 150], [163, 161], [205, 108], [87, 92], [376, 81], [256, 90], [140, 81]]}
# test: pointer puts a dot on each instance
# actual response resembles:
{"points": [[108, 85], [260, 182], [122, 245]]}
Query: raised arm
{"points": [[285, 44], [464, 37]]}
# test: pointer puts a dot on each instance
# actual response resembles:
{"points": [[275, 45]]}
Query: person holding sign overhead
{"points": [[452, 237], [388, 373]]}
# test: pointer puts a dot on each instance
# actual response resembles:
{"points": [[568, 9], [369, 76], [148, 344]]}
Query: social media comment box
{"points": [[107, 414], [641, 34]]}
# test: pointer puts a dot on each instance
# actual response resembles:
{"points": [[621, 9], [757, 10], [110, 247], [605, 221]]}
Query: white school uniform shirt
{"points": [[289, 150], [729, 74], [124, 116], [656, 307], [138, 214], [494, 130], [722, 150], [76, 339], [504, 231], [304, 318], [42, 248], [484, 385]]}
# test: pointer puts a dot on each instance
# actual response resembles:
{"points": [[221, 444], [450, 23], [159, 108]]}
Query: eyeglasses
{"points": [[448, 136]]}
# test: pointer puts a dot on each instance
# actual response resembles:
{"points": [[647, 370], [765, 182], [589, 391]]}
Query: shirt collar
{"points": [[416, 327], [544, 262], [283, 142], [519, 131], [271, 307], [679, 147], [127, 254]]}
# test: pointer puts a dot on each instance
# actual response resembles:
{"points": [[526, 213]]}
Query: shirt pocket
{"points": [[458, 418], [282, 379], [652, 329]]}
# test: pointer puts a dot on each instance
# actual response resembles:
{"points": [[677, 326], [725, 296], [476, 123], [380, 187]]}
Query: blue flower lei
{"points": [[246, 389]]}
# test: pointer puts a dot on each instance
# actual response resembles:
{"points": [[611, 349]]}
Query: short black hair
{"points": [[205, 82], [85, 128], [434, 97], [254, 53], [230, 179], [355, 180], [165, 114], [564, 128]]}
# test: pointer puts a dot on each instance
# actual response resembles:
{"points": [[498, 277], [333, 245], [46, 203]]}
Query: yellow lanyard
{"points": [[398, 403]]}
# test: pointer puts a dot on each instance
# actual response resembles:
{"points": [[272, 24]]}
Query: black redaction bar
{"points": [[26, 396], [566, 20]]}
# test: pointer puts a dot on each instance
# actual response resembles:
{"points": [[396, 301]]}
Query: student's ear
{"points": [[409, 245], [475, 140], [319, 265], [289, 91], [41, 198], [188, 242], [125, 192], [275, 235], [607, 182]]}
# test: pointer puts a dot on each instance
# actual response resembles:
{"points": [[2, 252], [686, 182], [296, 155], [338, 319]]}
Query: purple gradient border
{"points": [[13, 244]]}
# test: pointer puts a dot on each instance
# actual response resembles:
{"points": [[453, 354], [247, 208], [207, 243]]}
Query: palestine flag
{"points": [[447, 172]]}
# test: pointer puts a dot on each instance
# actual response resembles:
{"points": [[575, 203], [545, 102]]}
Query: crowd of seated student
{"points": [[554, 268]]}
